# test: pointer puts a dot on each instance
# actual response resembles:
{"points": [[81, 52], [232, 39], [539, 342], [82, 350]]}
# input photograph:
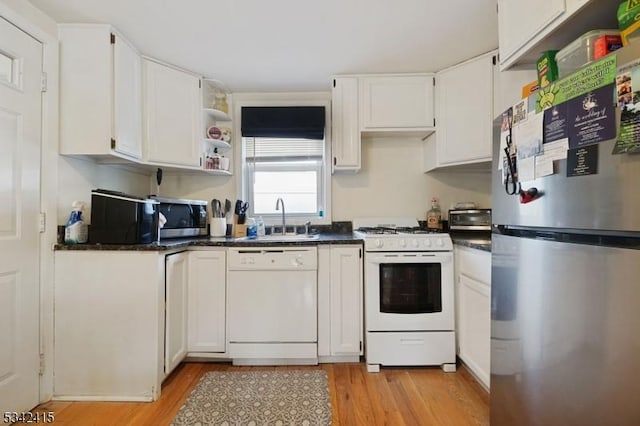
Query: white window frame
{"points": [[285, 99]]}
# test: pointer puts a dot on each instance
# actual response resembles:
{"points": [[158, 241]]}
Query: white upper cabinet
{"points": [[100, 93], [345, 143], [521, 20], [395, 102], [172, 108], [527, 28], [464, 105], [127, 85]]}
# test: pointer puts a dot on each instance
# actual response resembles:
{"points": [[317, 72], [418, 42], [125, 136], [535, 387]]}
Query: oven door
{"points": [[409, 291]]}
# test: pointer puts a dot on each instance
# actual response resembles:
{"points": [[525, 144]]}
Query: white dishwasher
{"points": [[272, 305]]}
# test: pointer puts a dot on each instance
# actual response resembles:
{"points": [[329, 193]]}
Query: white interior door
{"points": [[20, 124]]}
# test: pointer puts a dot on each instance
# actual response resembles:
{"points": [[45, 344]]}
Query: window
{"points": [[291, 169], [284, 153], [7, 73]]}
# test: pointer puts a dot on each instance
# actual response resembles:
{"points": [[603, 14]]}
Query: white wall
{"points": [[392, 182], [77, 177], [196, 186], [19, 11]]}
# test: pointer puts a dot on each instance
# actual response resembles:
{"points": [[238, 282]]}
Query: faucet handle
{"points": [[306, 226]]}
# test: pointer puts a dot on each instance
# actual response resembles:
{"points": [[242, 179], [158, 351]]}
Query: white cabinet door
{"points": [[127, 94], [345, 132], [109, 324], [519, 21], [100, 93], [475, 326], [176, 310], [207, 301], [465, 112], [346, 300], [396, 102], [171, 119]]}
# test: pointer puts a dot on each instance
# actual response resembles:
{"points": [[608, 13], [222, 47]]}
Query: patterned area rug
{"points": [[252, 398]]}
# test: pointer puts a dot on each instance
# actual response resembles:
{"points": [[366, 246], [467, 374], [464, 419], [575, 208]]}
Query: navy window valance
{"points": [[302, 122]]}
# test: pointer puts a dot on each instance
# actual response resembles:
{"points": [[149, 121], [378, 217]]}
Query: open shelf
{"points": [[217, 114], [217, 172], [217, 143]]}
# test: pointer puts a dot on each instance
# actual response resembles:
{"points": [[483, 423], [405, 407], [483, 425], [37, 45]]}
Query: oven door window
{"points": [[410, 288]]}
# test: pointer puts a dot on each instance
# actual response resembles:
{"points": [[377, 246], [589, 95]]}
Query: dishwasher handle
{"points": [[273, 259]]}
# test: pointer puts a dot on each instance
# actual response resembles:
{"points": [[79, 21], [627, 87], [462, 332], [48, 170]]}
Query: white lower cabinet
{"points": [[109, 325], [207, 301], [176, 310], [473, 307], [340, 325]]}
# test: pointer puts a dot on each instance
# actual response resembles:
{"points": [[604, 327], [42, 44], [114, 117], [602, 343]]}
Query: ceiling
{"points": [[294, 45]]}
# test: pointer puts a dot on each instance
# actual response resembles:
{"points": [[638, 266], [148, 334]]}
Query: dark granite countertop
{"points": [[178, 243], [475, 241]]}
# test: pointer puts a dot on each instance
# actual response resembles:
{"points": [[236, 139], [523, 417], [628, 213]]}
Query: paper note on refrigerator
{"points": [[528, 136], [526, 169]]}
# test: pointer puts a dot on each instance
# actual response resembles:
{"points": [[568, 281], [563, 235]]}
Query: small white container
{"points": [[218, 226], [224, 163]]}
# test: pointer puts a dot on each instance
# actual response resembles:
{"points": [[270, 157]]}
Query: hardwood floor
{"points": [[395, 396]]}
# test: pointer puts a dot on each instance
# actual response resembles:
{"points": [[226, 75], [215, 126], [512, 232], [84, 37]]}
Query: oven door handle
{"points": [[410, 258]]}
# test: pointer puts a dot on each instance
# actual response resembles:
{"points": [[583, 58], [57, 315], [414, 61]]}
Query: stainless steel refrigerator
{"points": [[565, 303]]}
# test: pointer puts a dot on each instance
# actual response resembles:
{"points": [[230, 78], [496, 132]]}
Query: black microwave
{"points": [[182, 218], [119, 218]]}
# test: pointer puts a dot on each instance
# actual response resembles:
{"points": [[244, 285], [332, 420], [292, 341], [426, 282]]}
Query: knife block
{"points": [[239, 230]]}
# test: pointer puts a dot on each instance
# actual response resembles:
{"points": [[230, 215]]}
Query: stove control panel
{"points": [[430, 242]]}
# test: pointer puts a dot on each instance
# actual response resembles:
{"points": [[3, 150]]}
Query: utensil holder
{"points": [[218, 226]]}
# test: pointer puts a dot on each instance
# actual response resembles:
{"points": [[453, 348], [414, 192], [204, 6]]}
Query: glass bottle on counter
{"points": [[434, 216]]}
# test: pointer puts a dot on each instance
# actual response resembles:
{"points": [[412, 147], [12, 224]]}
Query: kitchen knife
{"points": [[236, 211]]}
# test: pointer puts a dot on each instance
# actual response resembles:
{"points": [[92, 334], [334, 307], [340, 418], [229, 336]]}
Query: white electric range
{"points": [[408, 294]]}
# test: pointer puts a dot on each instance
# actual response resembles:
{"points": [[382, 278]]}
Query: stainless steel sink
{"points": [[289, 237]]}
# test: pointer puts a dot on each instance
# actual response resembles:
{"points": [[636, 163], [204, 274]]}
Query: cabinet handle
{"points": [[334, 161]]}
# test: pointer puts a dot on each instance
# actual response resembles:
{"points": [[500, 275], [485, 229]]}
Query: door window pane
{"points": [[410, 288], [6, 68]]}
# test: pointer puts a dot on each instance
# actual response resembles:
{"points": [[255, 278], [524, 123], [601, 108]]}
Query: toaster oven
{"points": [[470, 220]]}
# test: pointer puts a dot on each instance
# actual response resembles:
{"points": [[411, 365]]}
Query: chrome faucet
{"points": [[278, 203]]}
